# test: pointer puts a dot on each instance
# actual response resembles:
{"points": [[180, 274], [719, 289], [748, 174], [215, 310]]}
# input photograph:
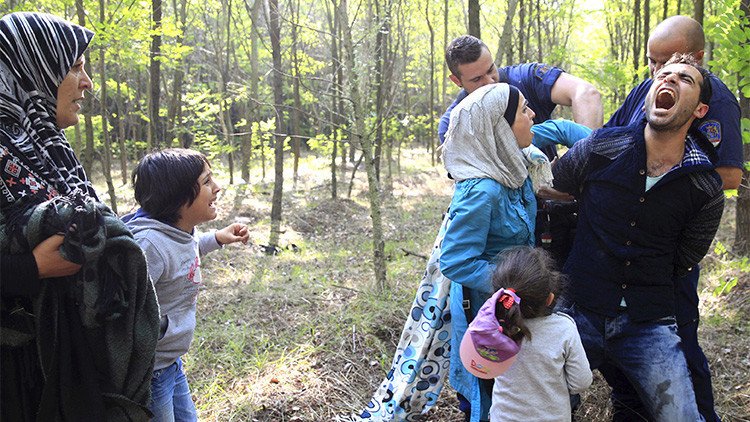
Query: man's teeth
{"points": [[665, 99]]}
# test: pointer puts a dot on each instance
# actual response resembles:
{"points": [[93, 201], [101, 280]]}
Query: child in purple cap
{"points": [[551, 363]]}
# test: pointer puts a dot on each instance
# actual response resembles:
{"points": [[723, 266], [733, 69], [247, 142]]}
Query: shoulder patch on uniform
{"points": [[540, 70], [712, 130]]}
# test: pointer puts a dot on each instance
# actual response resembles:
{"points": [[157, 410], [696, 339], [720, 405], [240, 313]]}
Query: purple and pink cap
{"points": [[485, 350]]}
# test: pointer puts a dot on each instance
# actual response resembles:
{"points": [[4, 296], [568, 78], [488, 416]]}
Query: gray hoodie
{"points": [[173, 258]]}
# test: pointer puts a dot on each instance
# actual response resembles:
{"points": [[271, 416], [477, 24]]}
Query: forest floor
{"points": [[305, 335]]}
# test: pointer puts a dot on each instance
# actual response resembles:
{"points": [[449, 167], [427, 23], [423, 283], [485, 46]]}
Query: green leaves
{"points": [[734, 265]]}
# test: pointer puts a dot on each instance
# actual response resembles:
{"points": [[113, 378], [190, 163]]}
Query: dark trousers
{"points": [[556, 228], [465, 406], [626, 403]]}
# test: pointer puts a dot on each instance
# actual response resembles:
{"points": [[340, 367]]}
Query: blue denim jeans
{"points": [[627, 406], [648, 354], [170, 395]]}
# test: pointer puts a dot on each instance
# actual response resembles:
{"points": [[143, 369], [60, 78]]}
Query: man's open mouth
{"points": [[665, 98]]}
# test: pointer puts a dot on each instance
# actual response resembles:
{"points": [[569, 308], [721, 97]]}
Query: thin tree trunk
{"points": [[274, 30], [174, 113], [226, 105], [121, 135], [381, 47], [646, 25], [698, 10], [522, 35], [505, 45], [742, 212], [107, 162], [444, 98], [252, 114], [431, 138], [296, 115], [378, 243], [474, 25], [539, 57], [87, 159], [155, 73], [636, 36], [333, 23]]}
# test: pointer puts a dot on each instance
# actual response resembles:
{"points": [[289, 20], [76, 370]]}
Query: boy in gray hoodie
{"points": [[176, 192]]}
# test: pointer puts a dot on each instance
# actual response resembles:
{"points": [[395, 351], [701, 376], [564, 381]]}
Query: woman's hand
{"points": [[50, 262], [234, 232], [546, 192]]}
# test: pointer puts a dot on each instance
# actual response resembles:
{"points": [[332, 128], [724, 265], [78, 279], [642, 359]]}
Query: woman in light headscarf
{"points": [[57, 343], [493, 208]]}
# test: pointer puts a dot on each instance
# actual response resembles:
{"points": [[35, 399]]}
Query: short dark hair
{"points": [[531, 273], [462, 50], [166, 180], [688, 59]]}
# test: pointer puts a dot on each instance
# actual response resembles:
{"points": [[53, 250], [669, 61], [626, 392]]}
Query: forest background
{"points": [[320, 118]]}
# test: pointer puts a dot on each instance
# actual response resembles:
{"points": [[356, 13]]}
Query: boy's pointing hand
{"points": [[235, 232]]}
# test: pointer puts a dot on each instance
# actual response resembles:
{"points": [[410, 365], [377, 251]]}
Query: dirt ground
{"points": [[305, 336]]}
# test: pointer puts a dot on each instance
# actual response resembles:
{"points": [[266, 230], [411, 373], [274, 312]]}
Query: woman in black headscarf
{"points": [[41, 62], [71, 338], [40, 57]]}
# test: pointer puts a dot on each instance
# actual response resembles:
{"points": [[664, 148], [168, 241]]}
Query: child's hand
{"points": [[232, 233]]}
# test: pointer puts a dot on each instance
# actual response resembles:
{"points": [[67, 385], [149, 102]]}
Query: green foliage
{"points": [[730, 31], [262, 133], [739, 264]]}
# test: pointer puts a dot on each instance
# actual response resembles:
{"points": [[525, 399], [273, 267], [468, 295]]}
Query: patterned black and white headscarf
{"points": [[36, 53]]}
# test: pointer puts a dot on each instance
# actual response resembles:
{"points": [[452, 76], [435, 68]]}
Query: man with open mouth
{"points": [[721, 126], [651, 202]]}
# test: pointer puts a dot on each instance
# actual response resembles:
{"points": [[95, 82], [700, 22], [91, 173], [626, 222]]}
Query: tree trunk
{"points": [[431, 137], [444, 79], [359, 133], [333, 24], [121, 135], [381, 50], [274, 30], [505, 45], [174, 113], [252, 110], [226, 104], [522, 34], [107, 162], [295, 115], [698, 11], [645, 32], [87, 159], [539, 57], [742, 212], [474, 25], [154, 70], [636, 37]]}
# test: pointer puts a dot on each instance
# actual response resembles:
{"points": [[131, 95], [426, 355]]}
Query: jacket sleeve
{"points": [[465, 242], [19, 275], [570, 170], [207, 242], [697, 236], [577, 371]]}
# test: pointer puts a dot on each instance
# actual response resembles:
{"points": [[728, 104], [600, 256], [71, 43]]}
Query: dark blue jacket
{"points": [[631, 242]]}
